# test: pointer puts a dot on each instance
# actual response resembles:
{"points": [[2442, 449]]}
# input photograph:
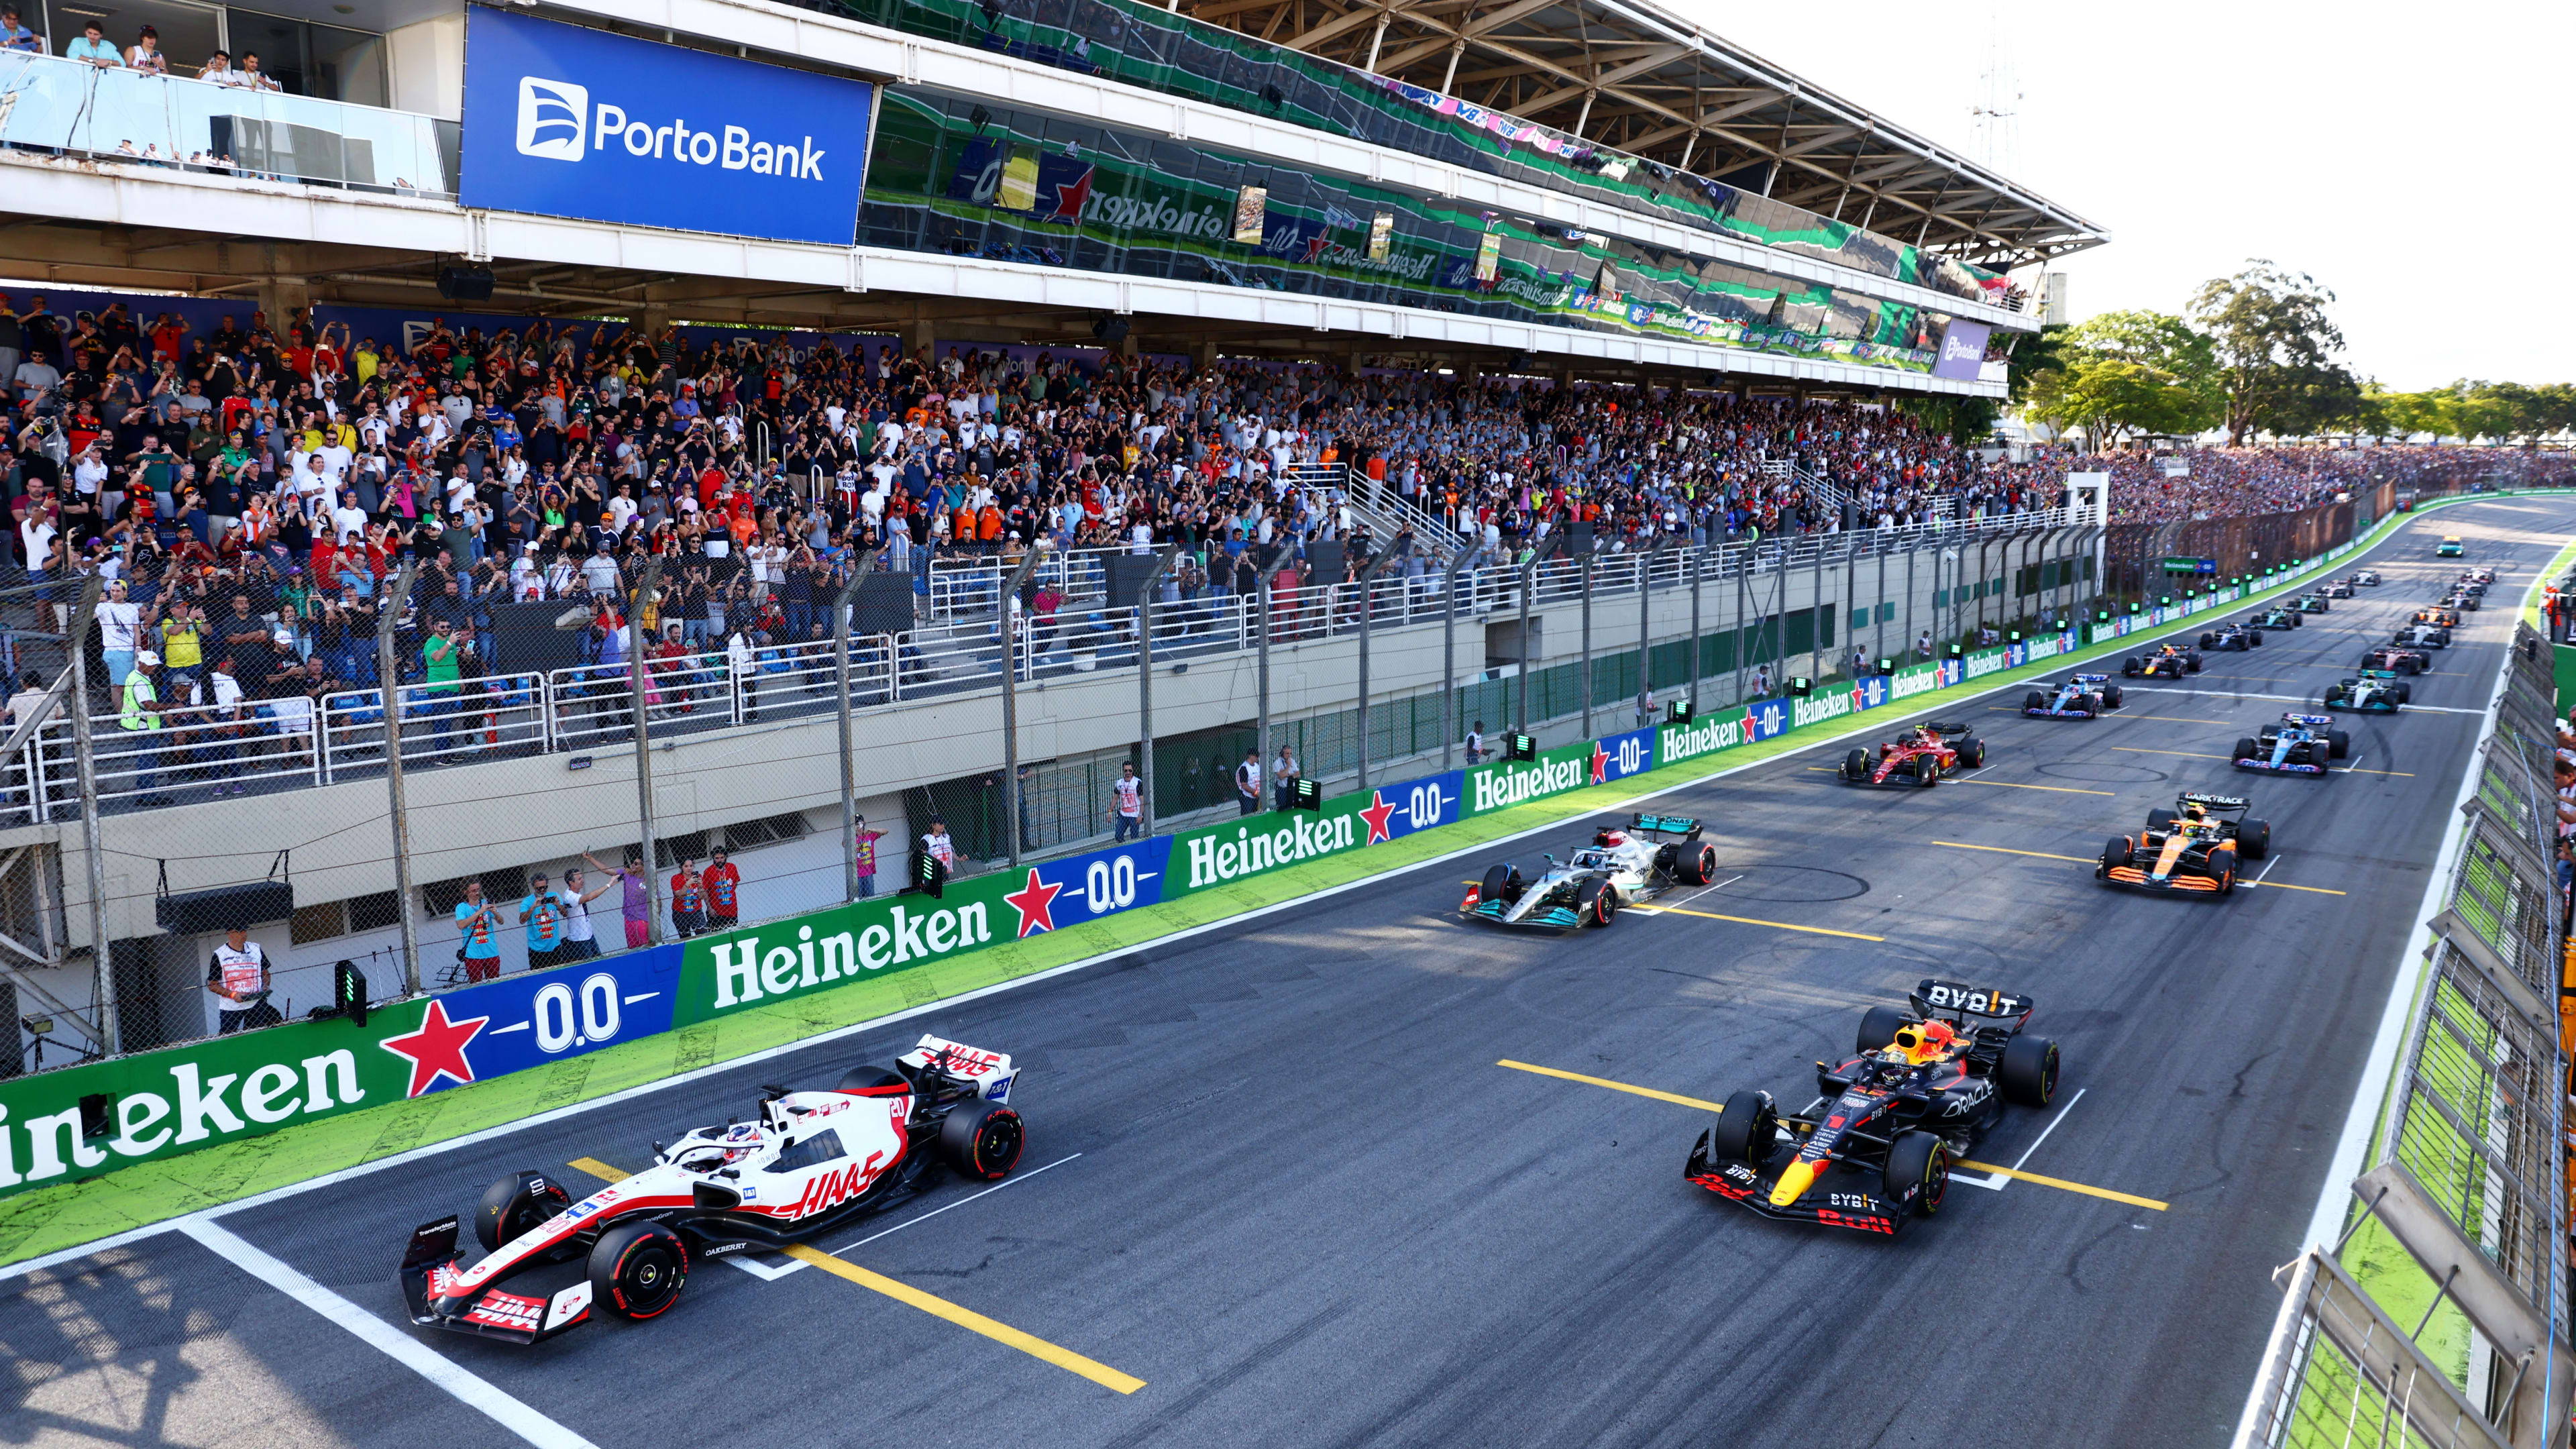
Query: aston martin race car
{"points": [[1920, 756], [1873, 1151], [2170, 661], [2449, 547], [812, 1162], [2231, 636], [2424, 636], [2301, 744], [2396, 658], [2311, 603], [2366, 578], [2082, 696], [2277, 617], [2373, 691], [2190, 851], [1623, 866]]}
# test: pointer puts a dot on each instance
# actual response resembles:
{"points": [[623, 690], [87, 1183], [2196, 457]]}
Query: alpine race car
{"points": [[1621, 867], [2231, 636], [2449, 547], [2191, 851], [2311, 603], [2279, 618], [2082, 696], [2461, 600], [1873, 1151], [2170, 661], [812, 1162], [2397, 658], [2424, 636], [2373, 691], [1920, 756], [2366, 578], [2301, 744]]}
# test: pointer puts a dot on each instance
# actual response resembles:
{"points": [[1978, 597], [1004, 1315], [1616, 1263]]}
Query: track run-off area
{"points": [[1364, 1174]]}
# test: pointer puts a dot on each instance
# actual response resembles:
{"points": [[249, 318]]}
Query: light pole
{"points": [[1010, 616], [389, 697], [1449, 651], [647, 588], [841, 672], [1145, 685], [1368, 607]]}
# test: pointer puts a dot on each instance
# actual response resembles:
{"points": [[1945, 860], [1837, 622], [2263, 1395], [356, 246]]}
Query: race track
{"points": [[1277, 1174]]}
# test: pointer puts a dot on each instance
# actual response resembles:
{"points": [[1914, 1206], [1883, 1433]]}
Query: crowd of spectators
{"points": [[2178, 485]]}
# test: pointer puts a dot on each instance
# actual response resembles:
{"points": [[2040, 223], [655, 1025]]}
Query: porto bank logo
{"points": [[552, 117]]}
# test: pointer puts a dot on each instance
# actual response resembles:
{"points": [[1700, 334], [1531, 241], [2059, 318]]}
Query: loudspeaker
{"points": [[1324, 556], [1127, 573], [883, 605], [465, 284], [529, 639], [214, 910], [1112, 330]]}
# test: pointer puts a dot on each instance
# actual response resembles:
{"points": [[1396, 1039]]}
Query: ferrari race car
{"points": [[811, 1163], [2396, 657], [2193, 851], [2279, 618], [1873, 1151], [2231, 636], [1621, 867], [2301, 744], [2082, 696], [1920, 756], [2449, 547], [2311, 603], [2424, 636], [2366, 578], [2170, 661], [2373, 691], [2336, 588]]}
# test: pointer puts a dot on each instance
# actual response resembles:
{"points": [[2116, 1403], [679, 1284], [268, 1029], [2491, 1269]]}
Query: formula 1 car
{"points": [[1873, 1151], [2171, 661], [2231, 636], [2336, 588], [2373, 691], [1621, 867], [2311, 603], [2277, 617], [2461, 600], [2301, 744], [2396, 658], [2449, 547], [1918, 757], [2082, 696], [812, 1162], [2483, 573], [2366, 578], [2470, 583], [2190, 852], [2424, 636], [2439, 616]]}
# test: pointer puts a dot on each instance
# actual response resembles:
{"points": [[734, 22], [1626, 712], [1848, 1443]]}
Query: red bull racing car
{"points": [[1873, 1151], [2082, 696], [2169, 662], [1918, 757], [811, 1163], [2190, 851]]}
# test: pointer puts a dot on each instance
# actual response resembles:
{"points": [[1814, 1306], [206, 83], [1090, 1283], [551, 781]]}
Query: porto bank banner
{"points": [[561, 120]]}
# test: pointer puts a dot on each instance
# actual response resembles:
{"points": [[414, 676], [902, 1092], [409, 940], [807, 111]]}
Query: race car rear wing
{"points": [[2379, 674], [1935, 997], [2229, 803], [2089, 678], [2307, 719], [1682, 826]]}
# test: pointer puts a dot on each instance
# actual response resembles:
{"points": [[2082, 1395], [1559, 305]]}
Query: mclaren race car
{"points": [[1623, 866], [2366, 578], [2315, 603], [2082, 696], [2231, 636], [2373, 691], [2397, 658], [812, 1162], [2449, 547], [2193, 851], [2277, 617], [2424, 636], [2301, 744], [2170, 661], [1873, 1151], [1920, 756]]}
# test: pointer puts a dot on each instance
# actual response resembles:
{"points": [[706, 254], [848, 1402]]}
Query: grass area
{"points": [[68, 1214]]}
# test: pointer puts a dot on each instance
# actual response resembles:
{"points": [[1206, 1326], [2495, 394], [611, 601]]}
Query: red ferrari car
{"points": [[1918, 757]]}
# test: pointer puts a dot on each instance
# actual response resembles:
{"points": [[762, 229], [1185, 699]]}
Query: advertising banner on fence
{"points": [[1216, 854], [1505, 783]]}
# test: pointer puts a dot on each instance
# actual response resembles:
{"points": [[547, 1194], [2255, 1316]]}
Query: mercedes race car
{"points": [[2232, 637], [2277, 617], [2449, 547], [2301, 744], [2373, 691], [2193, 851], [2366, 578], [1623, 866], [1873, 1151], [2424, 636], [2397, 658], [2311, 603], [2082, 696], [2170, 661], [812, 1162], [1920, 756]]}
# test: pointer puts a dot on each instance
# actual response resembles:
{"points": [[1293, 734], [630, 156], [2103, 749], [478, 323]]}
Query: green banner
{"points": [[1216, 855], [802, 954], [1505, 783]]}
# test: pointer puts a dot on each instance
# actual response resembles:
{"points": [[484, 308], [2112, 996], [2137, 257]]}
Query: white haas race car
{"points": [[813, 1162]]}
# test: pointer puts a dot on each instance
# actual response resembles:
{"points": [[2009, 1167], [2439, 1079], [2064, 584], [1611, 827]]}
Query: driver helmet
{"points": [[2193, 810], [1923, 1041]]}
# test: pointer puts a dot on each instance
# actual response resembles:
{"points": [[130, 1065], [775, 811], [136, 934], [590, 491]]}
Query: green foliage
{"points": [[2275, 351], [2498, 411]]}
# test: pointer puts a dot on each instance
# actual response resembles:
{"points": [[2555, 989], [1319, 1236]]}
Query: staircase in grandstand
{"points": [[1380, 506]]}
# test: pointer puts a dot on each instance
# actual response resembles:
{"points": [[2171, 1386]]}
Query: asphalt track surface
{"points": [[1277, 1173]]}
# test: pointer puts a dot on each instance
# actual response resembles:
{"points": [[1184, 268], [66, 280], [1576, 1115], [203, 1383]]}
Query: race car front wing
{"points": [[429, 1265], [2285, 767], [1862, 1209]]}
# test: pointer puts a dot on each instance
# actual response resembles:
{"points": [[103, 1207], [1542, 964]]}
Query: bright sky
{"points": [[2413, 160]]}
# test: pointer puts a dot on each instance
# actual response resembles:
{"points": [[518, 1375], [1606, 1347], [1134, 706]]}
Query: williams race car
{"points": [[2279, 618], [2373, 691], [1621, 867], [811, 1163], [2301, 744], [2461, 600], [2231, 636], [2397, 658], [2424, 636], [2082, 696], [2169, 662], [1873, 1151], [2311, 603], [2193, 852], [1920, 756]]}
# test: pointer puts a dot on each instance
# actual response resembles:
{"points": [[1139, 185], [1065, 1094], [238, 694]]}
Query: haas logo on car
{"points": [[831, 1189]]}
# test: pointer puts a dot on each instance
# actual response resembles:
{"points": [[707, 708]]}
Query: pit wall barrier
{"points": [[82, 1121]]}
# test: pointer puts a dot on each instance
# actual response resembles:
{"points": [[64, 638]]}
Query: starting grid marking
{"points": [[2278, 885]]}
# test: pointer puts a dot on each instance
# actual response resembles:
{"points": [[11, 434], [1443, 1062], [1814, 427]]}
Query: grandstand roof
{"points": [[1632, 75]]}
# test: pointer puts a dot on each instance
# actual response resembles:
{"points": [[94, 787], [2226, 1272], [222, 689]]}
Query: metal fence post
{"points": [[1815, 613], [1449, 652], [1646, 634], [1529, 595], [841, 673], [1878, 640], [389, 702], [93, 844], [1368, 608], [1699, 566], [647, 583], [1585, 678], [1742, 585], [1010, 615], [1145, 687]]}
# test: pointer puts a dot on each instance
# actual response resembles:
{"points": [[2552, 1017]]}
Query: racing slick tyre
{"points": [[2338, 744], [1856, 765], [1879, 1026], [2244, 750], [1598, 903], [2403, 694], [2034, 700], [2208, 641], [2254, 839], [982, 1140], [2111, 695], [1697, 867], [514, 1204], [2028, 1071], [1926, 770], [1747, 1130], [2159, 820], [2254, 638], [2129, 668], [2191, 664], [2115, 851], [2334, 695], [1972, 753], [1497, 885], [1918, 1168], [637, 1271]]}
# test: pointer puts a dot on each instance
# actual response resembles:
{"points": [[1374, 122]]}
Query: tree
{"points": [[2110, 397], [2275, 349]]}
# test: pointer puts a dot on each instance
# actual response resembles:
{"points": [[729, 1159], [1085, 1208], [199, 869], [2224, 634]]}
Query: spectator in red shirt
{"points": [[724, 892], [688, 901]]}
